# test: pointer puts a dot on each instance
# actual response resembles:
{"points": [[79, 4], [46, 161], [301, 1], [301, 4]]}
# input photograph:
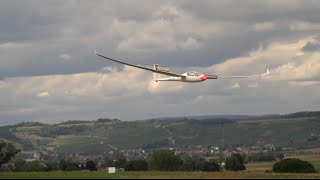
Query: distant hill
{"points": [[231, 117], [301, 114], [299, 130]]}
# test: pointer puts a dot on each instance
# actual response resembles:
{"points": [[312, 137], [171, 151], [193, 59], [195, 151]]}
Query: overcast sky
{"points": [[49, 72]]}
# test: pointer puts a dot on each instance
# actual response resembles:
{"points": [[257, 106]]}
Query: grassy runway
{"points": [[154, 175]]}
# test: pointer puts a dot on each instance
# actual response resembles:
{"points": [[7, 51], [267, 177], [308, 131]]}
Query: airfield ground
{"points": [[254, 170], [155, 175]]}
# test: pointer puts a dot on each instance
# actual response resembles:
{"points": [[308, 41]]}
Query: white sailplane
{"points": [[191, 76]]}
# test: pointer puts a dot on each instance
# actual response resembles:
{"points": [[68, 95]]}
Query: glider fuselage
{"points": [[191, 77]]}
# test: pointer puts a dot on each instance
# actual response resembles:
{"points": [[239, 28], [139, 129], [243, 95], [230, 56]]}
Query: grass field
{"points": [[259, 166], [253, 170], [155, 175], [313, 159], [263, 166], [58, 175]]}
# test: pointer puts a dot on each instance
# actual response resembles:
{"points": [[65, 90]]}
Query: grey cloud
{"points": [[36, 34], [79, 27], [313, 45], [254, 11], [269, 97], [29, 20]]}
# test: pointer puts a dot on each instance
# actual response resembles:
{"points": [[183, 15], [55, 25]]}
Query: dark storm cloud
{"points": [[57, 27], [41, 38]]}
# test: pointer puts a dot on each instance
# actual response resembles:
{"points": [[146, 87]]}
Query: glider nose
{"points": [[203, 78]]}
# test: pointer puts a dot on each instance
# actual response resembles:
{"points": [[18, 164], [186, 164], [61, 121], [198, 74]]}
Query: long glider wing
{"points": [[142, 67], [216, 77]]}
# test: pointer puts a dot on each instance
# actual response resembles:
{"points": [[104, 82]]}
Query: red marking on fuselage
{"points": [[203, 77]]}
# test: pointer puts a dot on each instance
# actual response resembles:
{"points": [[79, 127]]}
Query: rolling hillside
{"points": [[104, 134]]}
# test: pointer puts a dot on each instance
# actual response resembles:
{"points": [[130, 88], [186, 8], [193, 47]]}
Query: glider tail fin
{"points": [[155, 75]]}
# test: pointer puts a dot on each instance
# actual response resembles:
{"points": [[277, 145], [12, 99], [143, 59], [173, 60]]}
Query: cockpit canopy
{"points": [[193, 73]]}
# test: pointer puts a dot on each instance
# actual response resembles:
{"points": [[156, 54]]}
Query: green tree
{"points": [[235, 162], [7, 151], [120, 163], [72, 166], [164, 160], [91, 165], [62, 165], [279, 156], [136, 165], [52, 165], [187, 166], [261, 157], [210, 165], [109, 162], [292, 165], [21, 165], [34, 166]]}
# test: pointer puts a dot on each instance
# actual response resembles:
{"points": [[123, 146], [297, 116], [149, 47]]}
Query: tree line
{"points": [[160, 160]]}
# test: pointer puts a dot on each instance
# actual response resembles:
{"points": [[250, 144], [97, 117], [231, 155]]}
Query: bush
{"points": [[7, 151], [292, 165], [91, 165], [137, 165], [71, 166], [235, 163], [187, 166], [200, 164], [261, 157], [21, 165], [164, 160], [209, 166], [120, 163]]}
